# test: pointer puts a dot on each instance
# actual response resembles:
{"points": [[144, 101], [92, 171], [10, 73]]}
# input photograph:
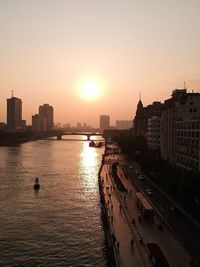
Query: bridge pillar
{"points": [[88, 137], [59, 137]]}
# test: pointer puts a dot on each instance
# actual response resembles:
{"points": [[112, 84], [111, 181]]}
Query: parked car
{"points": [[149, 192], [141, 177], [137, 172]]}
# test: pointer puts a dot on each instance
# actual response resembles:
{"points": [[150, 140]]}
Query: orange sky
{"points": [[47, 47]]}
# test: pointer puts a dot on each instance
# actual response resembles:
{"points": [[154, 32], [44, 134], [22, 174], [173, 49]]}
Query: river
{"points": [[60, 225]]}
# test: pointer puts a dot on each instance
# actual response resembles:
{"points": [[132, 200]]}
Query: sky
{"points": [[50, 48]]}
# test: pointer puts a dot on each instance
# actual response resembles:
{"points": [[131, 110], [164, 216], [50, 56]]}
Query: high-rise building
{"points": [[104, 122], [46, 112], [14, 114], [39, 123]]}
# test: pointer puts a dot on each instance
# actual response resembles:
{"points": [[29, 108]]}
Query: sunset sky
{"points": [[51, 49]]}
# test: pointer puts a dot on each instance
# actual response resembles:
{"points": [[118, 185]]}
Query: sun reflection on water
{"points": [[89, 166]]}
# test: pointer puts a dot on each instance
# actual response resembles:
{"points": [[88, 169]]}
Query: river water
{"points": [[61, 224]]}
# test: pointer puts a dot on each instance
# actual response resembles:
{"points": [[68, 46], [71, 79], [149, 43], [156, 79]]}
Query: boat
{"points": [[36, 184], [92, 144], [99, 144]]}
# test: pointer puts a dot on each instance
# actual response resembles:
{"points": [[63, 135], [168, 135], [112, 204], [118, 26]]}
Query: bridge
{"points": [[88, 134]]}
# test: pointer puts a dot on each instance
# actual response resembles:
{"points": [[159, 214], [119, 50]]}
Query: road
{"points": [[122, 208], [185, 230]]}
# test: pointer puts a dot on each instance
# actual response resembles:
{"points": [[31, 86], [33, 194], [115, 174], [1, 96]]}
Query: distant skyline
{"points": [[50, 48]]}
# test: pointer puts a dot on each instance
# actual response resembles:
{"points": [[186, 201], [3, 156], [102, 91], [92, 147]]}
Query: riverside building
{"points": [[182, 107], [104, 122], [123, 124], [46, 114], [39, 123], [14, 115], [153, 133], [140, 122], [188, 144], [173, 128]]}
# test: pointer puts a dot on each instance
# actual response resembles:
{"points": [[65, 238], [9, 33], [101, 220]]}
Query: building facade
{"points": [[124, 124], [172, 128], [188, 144], [14, 115], [46, 113], [153, 134], [39, 123], [104, 122], [181, 107], [140, 122]]}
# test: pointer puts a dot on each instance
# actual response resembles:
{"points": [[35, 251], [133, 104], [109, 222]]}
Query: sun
{"points": [[90, 90]]}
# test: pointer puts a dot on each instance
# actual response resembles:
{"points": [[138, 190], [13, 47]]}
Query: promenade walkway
{"points": [[130, 236]]}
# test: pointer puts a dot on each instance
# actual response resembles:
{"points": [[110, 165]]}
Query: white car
{"points": [[141, 177], [137, 172], [149, 192]]}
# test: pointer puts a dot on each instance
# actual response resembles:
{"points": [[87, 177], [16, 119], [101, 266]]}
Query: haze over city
{"points": [[53, 50]]}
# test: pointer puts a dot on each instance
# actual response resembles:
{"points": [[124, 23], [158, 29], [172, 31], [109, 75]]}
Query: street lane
{"points": [[181, 227]]}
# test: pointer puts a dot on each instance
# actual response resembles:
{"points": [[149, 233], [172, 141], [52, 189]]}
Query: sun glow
{"points": [[90, 90]]}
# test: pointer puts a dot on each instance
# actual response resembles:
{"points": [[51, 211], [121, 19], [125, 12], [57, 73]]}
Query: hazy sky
{"points": [[49, 47]]}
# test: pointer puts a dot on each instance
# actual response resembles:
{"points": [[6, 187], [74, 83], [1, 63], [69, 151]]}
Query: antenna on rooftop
{"points": [[140, 96], [12, 93]]}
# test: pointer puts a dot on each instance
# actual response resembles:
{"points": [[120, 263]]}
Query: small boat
{"points": [[92, 144], [99, 144], [37, 184]]}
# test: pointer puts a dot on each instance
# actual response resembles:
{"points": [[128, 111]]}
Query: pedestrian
{"points": [[120, 207], [118, 244], [132, 242]]}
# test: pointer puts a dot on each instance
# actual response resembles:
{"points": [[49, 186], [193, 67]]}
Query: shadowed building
{"points": [[180, 130], [14, 114], [39, 123], [140, 122], [124, 124], [153, 138], [46, 113], [104, 122]]}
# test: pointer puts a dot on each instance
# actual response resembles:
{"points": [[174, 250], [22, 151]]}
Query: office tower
{"points": [[14, 115], [104, 122], [39, 124], [46, 114]]}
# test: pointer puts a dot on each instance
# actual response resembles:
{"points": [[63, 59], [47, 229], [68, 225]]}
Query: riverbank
{"points": [[13, 139], [128, 231], [121, 233]]}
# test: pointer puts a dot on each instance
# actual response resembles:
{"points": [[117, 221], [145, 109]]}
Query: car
{"points": [[149, 192], [130, 167], [141, 177], [137, 172]]}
